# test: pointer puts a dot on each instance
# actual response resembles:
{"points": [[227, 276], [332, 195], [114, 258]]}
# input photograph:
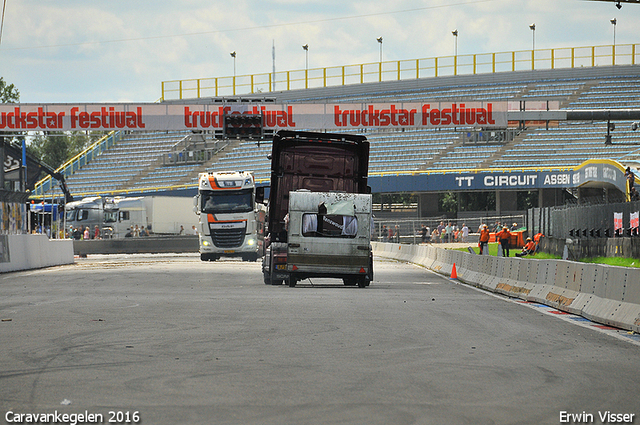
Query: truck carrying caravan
{"points": [[231, 222], [333, 169]]}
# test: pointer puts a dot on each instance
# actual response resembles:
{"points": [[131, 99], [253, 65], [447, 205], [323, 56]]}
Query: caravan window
{"points": [[124, 215], [331, 226]]}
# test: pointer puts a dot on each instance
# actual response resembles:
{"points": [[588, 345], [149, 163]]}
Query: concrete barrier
{"points": [[26, 252], [143, 245], [604, 294]]}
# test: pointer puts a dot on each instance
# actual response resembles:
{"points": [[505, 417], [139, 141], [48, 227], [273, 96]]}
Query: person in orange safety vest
{"points": [[484, 237], [504, 236], [528, 249]]}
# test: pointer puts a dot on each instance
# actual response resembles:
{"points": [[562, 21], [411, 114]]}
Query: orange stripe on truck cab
{"points": [[212, 219], [214, 184]]}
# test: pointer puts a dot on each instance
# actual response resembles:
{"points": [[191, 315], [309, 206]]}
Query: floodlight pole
{"points": [[380, 70], [533, 30], [455, 34], [306, 65], [233, 55], [533, 46]]}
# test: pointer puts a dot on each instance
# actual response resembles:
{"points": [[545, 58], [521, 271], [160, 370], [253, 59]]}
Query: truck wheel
{"points": [[362, 282], [349, 281], [267, 279], [292, 282]]}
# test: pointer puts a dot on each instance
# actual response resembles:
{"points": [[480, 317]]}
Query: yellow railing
{"points": [[481, 63], [71, 166]]}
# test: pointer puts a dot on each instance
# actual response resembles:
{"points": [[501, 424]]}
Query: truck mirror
{"points": [[196, 201], [260, 194]]}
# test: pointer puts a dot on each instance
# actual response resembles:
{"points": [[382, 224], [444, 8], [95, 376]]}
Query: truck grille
{"points": [[228, 238]]}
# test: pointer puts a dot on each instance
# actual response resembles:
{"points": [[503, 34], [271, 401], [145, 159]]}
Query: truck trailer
{"points": [[114, 216], [315, 178]]}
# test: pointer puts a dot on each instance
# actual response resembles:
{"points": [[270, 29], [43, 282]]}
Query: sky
{"points": [[77, 51]]}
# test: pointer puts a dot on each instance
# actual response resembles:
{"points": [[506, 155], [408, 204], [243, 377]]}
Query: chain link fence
{"points": [[410, 229]]}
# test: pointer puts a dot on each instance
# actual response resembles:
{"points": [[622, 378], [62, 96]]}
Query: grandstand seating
{"points": [[134, 163]]}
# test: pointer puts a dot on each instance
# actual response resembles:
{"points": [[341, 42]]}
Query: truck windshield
{"points": [[227, 201], [110, 216]]}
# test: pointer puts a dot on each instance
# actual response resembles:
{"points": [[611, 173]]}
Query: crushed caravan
{"points": [[329, 236]]}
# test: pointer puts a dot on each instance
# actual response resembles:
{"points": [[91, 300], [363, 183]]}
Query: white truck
{"points": [[329, 235], [231, 222], [114, 216]]}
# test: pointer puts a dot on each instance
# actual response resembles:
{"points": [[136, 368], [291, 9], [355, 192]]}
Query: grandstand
{"points": [[138, 161]]}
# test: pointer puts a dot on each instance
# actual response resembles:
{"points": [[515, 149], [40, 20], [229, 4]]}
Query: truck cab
{"points": [[231, 222], [315, 165]]}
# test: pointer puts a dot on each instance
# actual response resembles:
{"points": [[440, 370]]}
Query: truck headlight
{"points": [[251, 242], [205, 242]]}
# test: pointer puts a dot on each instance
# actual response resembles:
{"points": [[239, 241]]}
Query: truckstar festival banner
{"points": [[158, 116]]}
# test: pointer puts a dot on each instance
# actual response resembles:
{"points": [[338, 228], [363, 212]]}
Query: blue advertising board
{"points": [[593, 172]]}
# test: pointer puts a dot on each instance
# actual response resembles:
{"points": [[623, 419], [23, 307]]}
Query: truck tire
{"points": [[362, 282], [349, 281]]}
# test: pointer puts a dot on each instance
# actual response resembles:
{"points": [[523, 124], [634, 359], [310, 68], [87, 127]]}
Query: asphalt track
{"points": [[180, 341]]}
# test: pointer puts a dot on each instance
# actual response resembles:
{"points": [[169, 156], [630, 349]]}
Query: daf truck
{"points": [[318, 179], [231, 222]]}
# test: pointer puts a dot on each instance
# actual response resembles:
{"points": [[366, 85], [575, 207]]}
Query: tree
{"points": [[51, 149], [447, 202], [55, 148], [8, 92]]}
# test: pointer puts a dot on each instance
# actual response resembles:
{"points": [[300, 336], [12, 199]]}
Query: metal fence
{"points": [[471, 64], [581, 221], [409, 229]]}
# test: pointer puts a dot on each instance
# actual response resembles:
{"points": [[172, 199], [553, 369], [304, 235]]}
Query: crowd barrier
{"points": [[605, 294], [26, 252]]}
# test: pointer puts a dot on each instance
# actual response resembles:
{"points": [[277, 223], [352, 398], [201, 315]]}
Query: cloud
{"points": [[122, 50]]}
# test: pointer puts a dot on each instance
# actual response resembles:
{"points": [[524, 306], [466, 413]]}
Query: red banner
{"points": [[159, 116]]}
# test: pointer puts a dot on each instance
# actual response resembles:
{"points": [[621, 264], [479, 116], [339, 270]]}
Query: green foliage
{"points": [[447, 202], [8, 92], [55, 148], [613, 261], [477, 201], [527, 199], [610, 261], [395, 198]]}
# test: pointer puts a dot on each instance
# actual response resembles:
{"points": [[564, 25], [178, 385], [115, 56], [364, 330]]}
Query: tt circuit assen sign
{"points": [[158, 116], [592, 172]]}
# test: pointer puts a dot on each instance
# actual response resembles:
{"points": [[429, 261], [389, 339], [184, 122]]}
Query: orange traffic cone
{"points": [[454, 274]]}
